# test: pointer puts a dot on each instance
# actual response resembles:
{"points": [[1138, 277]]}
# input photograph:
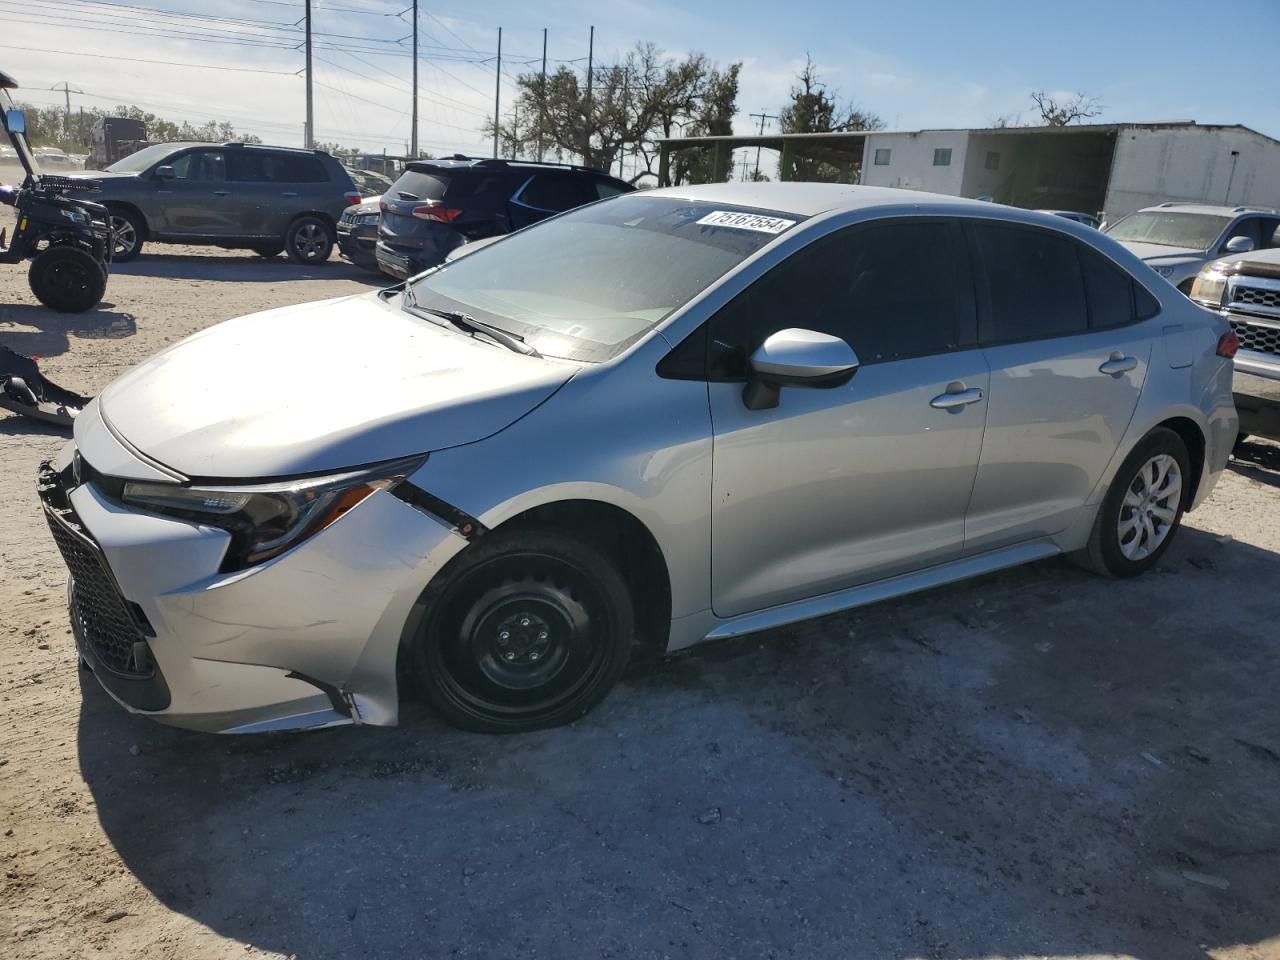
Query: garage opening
{"points": [[1065, 170]]}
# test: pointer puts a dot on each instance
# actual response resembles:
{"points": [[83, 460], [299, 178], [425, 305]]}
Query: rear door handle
{"points": [[954, 401], [289, 193], [222, 193], [1118, 364]]}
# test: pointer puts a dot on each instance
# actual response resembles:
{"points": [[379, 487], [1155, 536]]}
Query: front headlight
{"points": [[265, 520], [1164, 271], [75, 216], [1209, 289]]}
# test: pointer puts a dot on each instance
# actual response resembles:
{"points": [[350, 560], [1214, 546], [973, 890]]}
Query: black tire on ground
{"points": [[273, 249], [1141, 512], [67, 279], [523, 630], [129, 234], [309, 240]]}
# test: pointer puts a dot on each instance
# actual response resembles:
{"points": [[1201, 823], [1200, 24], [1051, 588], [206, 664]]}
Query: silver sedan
{"points": [[663, 418]]}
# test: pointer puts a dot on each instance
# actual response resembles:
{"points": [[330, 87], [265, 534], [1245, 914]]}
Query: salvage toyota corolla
{"points": [[665, 417]]}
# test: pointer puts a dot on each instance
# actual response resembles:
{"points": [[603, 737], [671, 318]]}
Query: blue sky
{"points": [[917, 63]]}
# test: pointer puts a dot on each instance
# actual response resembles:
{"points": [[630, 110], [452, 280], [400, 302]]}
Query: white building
{"points": [[1110, 168]]}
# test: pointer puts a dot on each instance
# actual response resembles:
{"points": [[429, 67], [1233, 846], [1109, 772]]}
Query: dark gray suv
{"points": [[266, 199]]}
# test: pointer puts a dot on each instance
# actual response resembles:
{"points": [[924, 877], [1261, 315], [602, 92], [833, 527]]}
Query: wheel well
{"points": [[138, 215], [328, 221], [631, 545], [1194, 439]]}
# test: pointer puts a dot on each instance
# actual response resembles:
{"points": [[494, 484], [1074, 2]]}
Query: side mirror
{"points": [[796, 358], [16, 121], [165, 172], [1239, 245]]}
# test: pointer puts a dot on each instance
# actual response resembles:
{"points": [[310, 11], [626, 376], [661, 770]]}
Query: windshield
{"points": [[585, 285], [137, 162], [1196, 231]]}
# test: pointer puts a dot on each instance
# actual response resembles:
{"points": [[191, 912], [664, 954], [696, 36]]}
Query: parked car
{"points": [[54, 159], [358, 233], [437, 205], [1177, 239], [370, 183], [1246, 291], [266, 199], [1087, 219], [679, 415]]}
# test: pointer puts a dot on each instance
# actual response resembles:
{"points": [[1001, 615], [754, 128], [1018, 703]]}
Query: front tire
{"points": [[309, 240], [530, 629], [1143, 508], [67, 279], [128, 231]]}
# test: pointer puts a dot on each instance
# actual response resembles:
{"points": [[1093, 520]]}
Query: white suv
{"points": [[1177, 239]]}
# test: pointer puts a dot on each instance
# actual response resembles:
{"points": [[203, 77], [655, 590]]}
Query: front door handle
{"points": [[222, 193], [956, 400], [1118, 364], [289, 193]]}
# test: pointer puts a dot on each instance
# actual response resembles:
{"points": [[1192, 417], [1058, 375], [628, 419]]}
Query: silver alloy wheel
{"points": [[125, 236], [1150, 507], [311, 241]]}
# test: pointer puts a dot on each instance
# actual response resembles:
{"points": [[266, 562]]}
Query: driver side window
{"points": [[201, 166], [891, 290]]}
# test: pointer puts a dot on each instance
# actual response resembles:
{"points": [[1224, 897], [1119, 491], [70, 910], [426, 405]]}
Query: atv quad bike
{"points": [[68, 241]]}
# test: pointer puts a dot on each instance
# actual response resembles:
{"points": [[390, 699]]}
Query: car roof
{"points": [[1206, 208], [811, 199], [459, 162]]}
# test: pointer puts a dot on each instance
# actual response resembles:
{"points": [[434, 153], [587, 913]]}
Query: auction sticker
{"points": [[746, 221]]}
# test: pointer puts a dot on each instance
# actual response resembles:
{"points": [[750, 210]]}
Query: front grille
{"points": [[1256, 336], [1256, 296], [104, 618]]}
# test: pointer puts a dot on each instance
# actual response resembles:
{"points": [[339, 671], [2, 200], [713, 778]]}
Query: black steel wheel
{"points": [[127, 235], [309, 240], [528, 630], [67, 279]]}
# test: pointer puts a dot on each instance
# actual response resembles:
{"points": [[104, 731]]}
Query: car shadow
{"points": [[48, 332], [233, 268], [1257, 460], [1039, 762]]}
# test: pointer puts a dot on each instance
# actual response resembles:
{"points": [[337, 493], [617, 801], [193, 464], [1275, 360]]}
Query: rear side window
{"points": [[1034, 282], [554, 192], [1109, 289], [416, 185]]}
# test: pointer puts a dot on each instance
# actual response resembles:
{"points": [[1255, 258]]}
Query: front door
{"points": [[836, 487], [1068, 361], [196, 202]]}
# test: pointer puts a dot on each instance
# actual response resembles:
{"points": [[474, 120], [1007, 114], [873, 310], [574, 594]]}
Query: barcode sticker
{"points": [[746, 221]]}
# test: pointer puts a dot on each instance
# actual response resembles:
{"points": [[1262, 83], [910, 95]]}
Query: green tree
{"points": [[815, 109], [713, 117]]}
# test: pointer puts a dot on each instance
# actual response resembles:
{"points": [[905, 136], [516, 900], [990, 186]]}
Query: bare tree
{"points": [[1056, 113]]}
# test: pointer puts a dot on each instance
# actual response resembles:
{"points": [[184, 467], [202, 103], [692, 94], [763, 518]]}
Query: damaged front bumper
{"points": [[308, 639]]}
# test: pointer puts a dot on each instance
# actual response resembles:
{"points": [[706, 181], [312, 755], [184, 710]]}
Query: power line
{"points": [[167, 63]]}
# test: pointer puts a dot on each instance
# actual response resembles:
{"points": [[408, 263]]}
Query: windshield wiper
{"points": [[464, 321]]}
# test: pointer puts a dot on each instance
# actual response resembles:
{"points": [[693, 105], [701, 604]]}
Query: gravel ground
{"points": [[1037, 763]]}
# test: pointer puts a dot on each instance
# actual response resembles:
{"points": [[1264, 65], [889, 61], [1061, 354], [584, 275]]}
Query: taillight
{"points": [[430, 211], [351, 197], [1228, 344]]}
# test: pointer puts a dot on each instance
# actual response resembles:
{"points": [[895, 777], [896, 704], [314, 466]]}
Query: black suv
{"points": [[438, 205], [267, 199]]}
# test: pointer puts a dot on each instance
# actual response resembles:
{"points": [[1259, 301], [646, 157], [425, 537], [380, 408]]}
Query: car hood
{"points": [[1158, 251], [320, 387]]}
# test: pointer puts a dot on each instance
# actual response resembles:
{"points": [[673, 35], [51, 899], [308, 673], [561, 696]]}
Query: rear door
{"points": [[546, 194], [271, 187], [1067, 366], [197, 201]]}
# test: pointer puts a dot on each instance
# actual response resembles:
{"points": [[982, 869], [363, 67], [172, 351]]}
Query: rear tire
{"points": [[268, 249], [67, 279], [1143, 508], [309, 240], [529, 629], [129, 231]]}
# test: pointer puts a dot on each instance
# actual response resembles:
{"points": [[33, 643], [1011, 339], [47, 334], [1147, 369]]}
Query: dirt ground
{"points": [[1038, 763]]}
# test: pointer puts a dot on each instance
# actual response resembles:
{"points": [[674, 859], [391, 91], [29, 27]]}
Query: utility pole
{"points": [[591, 50], [66, 117], [763, 117], [497, 94], [542, 96], [413, 137], [311, 130]]}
